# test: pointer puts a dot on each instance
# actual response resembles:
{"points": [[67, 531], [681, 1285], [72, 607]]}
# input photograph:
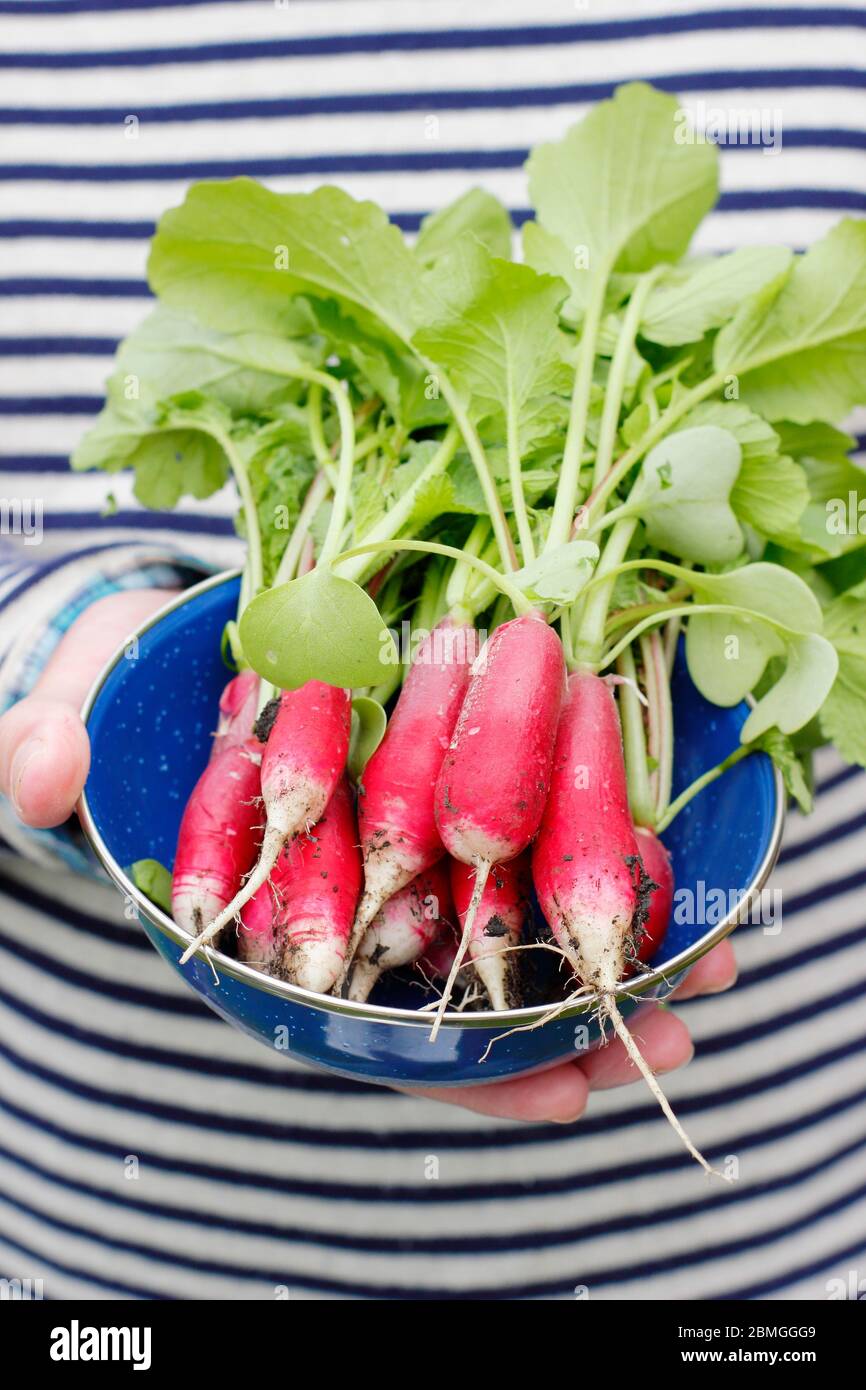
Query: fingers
{"points": [[662, 1038], [561, 1094], [44, 760], [558, 1095], [713, 973], [92, 639], [44, 749]]}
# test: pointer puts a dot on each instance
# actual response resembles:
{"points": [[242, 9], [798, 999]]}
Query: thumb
{"points": [[44, 760], [44, 748]]}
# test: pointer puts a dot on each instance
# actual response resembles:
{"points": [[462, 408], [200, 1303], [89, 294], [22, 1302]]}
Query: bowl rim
{"points": [[383, 1013]]}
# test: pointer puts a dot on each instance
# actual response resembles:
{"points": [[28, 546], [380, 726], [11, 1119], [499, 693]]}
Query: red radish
{"points": [[237, 711], [497, 926], [493, 784], [403, 929], [399, 838], [657, 864], [437, 960], [218, 836], [587, 869], [298, 923], [304, 756], [257, 934]]}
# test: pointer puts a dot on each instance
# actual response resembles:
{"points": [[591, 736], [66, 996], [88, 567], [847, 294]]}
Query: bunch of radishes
{"points": [[488, 754], [566, 466]]}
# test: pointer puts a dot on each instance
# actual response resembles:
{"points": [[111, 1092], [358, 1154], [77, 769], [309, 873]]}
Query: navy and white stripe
{"points": [[254, 1174]]}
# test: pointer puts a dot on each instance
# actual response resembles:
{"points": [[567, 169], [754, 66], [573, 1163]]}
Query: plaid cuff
{"points": [[41, 603]]}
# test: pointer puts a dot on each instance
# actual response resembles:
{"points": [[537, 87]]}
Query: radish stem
{"points": [[617, 376], [519, 601], [634, 743], [569, 478], [698, 785], [388, 526]]}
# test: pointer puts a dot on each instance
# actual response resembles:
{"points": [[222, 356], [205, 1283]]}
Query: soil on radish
{"points": [[266, 720]]}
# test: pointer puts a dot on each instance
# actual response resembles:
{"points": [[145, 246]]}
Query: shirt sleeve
{"points": [[38, 605]]}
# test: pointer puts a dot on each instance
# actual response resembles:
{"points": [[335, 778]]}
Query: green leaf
{"points": [[171, 353], [153, 880], [769, 590], [798, 695], [176, 385], [798, 346], [369, 722], [695, 297], [635, 425], [476, 213], [834, 521], [559, 575], [622, 190], [503, 350], [682, 497], [318, 627], [237, 254], [176, 463], [771, 496], [771, 491], [399, 379], [281, 466], [171, 450], [727, 653], [843, 717], [780, 748]]}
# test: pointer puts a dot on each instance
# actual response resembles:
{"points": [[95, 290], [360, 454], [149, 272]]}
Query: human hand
{"points": [[561, 1094], [44, 749]]}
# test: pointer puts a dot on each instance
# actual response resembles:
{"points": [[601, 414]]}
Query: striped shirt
{"points": [[147, 1149]]}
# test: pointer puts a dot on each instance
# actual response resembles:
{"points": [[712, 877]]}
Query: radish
{"points": [[218, 836], [404, 928], [304, 755], [297, 925], [657, 864], [493, 783], [586, 864], [237, 711], [497, 926], [437, 960], [399, 838]]}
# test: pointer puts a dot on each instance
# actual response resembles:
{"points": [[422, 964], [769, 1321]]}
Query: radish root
{"points": [[482, 873], [272, 845], [611, 1010]]}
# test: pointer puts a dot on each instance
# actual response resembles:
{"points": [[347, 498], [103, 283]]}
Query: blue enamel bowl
{"points": [[150, 740]]}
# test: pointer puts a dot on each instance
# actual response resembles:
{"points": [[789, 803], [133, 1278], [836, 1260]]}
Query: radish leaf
{"points": [[619, 191], [843, 717], [318, 627], [693, 298], [683, 495], [810, 670], [771, 491], [559, 575], [237, 254], [369, 722], [798, 346], [727, 653], [780, 748], [478, 214], [153, 880], [504, 350]]}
